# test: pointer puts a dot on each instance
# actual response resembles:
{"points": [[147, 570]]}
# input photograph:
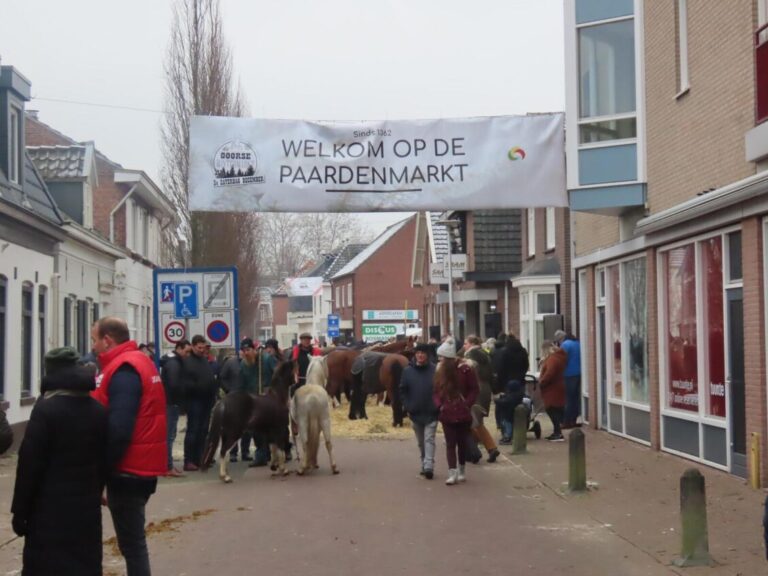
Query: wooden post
{"points": [[693, 512], [577, 461], [520, 432]]}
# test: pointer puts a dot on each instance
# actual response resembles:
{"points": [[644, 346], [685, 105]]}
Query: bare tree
{"points": [[288, 240], [199, 81]]}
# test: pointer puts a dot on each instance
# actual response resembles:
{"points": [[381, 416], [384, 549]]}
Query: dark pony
{"points": [[239, 411], [386, 379]]}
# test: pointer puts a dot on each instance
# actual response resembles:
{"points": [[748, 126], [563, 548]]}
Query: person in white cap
{"points": [[454, 394]]}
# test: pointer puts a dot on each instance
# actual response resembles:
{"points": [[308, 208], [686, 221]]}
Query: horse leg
{"points": [[326, 427], [226, 445], [303, 435], [379, 398]]}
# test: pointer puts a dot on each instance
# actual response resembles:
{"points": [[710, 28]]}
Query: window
{"points": [[734, 257], [712, 270], [681, 14], [41, 313], [349, 294], [338, 296], [67, 321], [636, 329], [3, 311], [607, 100], [550, 228], [531, 231], [614, 301], [682, 341], [534, 305], [83, 332], [133, 320], [15, 153], [95, 313], [27, 342]]}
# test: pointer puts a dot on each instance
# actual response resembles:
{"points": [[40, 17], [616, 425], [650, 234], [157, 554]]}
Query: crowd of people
{"points": [[454, 385], [103, 429]]}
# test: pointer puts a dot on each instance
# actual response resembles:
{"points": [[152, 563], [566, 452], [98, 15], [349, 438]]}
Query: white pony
{"points": [[311, 411]]}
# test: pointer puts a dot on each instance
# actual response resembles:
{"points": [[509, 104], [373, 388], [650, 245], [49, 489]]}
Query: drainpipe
{"points": [[114, 210]]}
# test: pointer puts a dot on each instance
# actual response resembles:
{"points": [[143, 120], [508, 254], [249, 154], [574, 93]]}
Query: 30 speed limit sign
{"points": [[174, 332]]}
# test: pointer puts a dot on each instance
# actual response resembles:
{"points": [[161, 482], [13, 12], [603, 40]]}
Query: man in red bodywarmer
{"points": [[131, 390]]}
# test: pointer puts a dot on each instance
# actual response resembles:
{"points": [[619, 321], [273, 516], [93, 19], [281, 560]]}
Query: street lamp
{"points": [[450, 225]]}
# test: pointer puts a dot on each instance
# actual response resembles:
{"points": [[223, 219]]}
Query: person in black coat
{"points": [[6, 433], [61, 473], [512, 365]]}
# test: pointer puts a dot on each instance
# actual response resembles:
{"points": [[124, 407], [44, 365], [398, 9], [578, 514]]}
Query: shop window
{"points": [[712, 269], [3, 311], [682, 344], [27, 342], [636, 329], [615, 308]]}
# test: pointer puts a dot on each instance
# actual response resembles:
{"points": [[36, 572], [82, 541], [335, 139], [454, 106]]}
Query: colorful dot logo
{"points": [[516, 153]]}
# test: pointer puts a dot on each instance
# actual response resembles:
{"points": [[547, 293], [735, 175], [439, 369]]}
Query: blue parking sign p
{"points": [[185, 300]]}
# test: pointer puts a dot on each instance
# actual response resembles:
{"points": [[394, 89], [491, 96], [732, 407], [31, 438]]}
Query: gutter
{"points": [[115, 209]]}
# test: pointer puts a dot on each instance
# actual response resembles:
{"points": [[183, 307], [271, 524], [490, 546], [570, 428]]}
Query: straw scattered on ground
{"points": [[162, 527], [378, 426]]}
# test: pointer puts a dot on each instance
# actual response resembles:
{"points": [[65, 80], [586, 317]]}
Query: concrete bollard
{"points": [[577, 461], [693, 512], [520, 431]]}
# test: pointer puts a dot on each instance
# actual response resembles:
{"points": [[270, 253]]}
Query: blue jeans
{"points": [[127, 509], [572, 399], [506, 429], [172, 416]]}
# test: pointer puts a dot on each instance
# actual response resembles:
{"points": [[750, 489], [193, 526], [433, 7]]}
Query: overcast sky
{"points": [[96, 66]]}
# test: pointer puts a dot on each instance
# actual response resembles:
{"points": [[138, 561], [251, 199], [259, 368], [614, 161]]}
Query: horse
{"points": [[404, 347], [339, 373], [375, 373], [239, 411], [311, 412]]}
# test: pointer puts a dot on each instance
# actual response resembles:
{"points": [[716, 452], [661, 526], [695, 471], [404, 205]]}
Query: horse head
{"points": [[317, 371]]}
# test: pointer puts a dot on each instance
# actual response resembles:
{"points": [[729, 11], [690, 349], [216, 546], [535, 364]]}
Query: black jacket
{"points": [[6, 433], [171, 374], [512, 363], [416, 386], [60, 476], [199, 378]]}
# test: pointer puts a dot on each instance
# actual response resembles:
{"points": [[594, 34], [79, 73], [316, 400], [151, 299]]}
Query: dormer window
{"points": [[14, 146]]}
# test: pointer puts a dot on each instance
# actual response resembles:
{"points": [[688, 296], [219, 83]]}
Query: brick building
{"points": [[667, 147], [378, 278]]}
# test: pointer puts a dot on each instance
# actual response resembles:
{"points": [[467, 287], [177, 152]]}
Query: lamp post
{"points": [[450, 225]]}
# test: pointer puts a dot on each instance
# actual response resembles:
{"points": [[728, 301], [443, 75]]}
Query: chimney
{"points": [[33, 114]]}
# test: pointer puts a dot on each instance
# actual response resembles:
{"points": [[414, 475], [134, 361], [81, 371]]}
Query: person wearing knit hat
{"points": [[454, 394], [61, 472]]}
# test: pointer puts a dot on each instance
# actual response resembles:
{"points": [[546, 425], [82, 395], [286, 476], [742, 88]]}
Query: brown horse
{"points": [[239, 411], [377, 373], [404, 347], [339, 363]]}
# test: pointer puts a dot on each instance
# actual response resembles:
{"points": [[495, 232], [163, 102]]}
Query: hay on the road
{"points": [[378, 425]]}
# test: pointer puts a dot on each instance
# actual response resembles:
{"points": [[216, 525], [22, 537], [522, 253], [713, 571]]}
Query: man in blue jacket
{"points": [[572, 348], [416, 392]]}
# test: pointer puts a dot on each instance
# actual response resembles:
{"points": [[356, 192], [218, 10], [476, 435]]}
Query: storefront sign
{"points": [[438, 271], [240, 164], [372, 332], [390, 315]]}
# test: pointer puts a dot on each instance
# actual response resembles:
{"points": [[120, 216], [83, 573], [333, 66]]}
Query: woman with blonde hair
{"points": [[552, 385], [454, 394]]}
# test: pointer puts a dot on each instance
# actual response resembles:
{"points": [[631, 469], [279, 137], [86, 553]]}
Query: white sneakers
{"points": [[455, 476]]}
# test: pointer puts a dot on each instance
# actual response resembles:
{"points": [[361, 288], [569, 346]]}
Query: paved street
{"points": [[379, 517]]}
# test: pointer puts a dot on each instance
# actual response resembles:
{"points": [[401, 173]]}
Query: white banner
{"points": [[302, 166]]}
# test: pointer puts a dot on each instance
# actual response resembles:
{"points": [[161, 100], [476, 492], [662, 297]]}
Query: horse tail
{"points": [[313, 439], [214, 435], [395, 374]]}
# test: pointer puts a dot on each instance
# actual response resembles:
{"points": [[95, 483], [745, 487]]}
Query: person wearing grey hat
{"points": [[61, 472]]}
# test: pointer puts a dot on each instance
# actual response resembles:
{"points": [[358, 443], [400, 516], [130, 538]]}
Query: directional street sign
{"points": [[333, 326], [185, 301]]}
